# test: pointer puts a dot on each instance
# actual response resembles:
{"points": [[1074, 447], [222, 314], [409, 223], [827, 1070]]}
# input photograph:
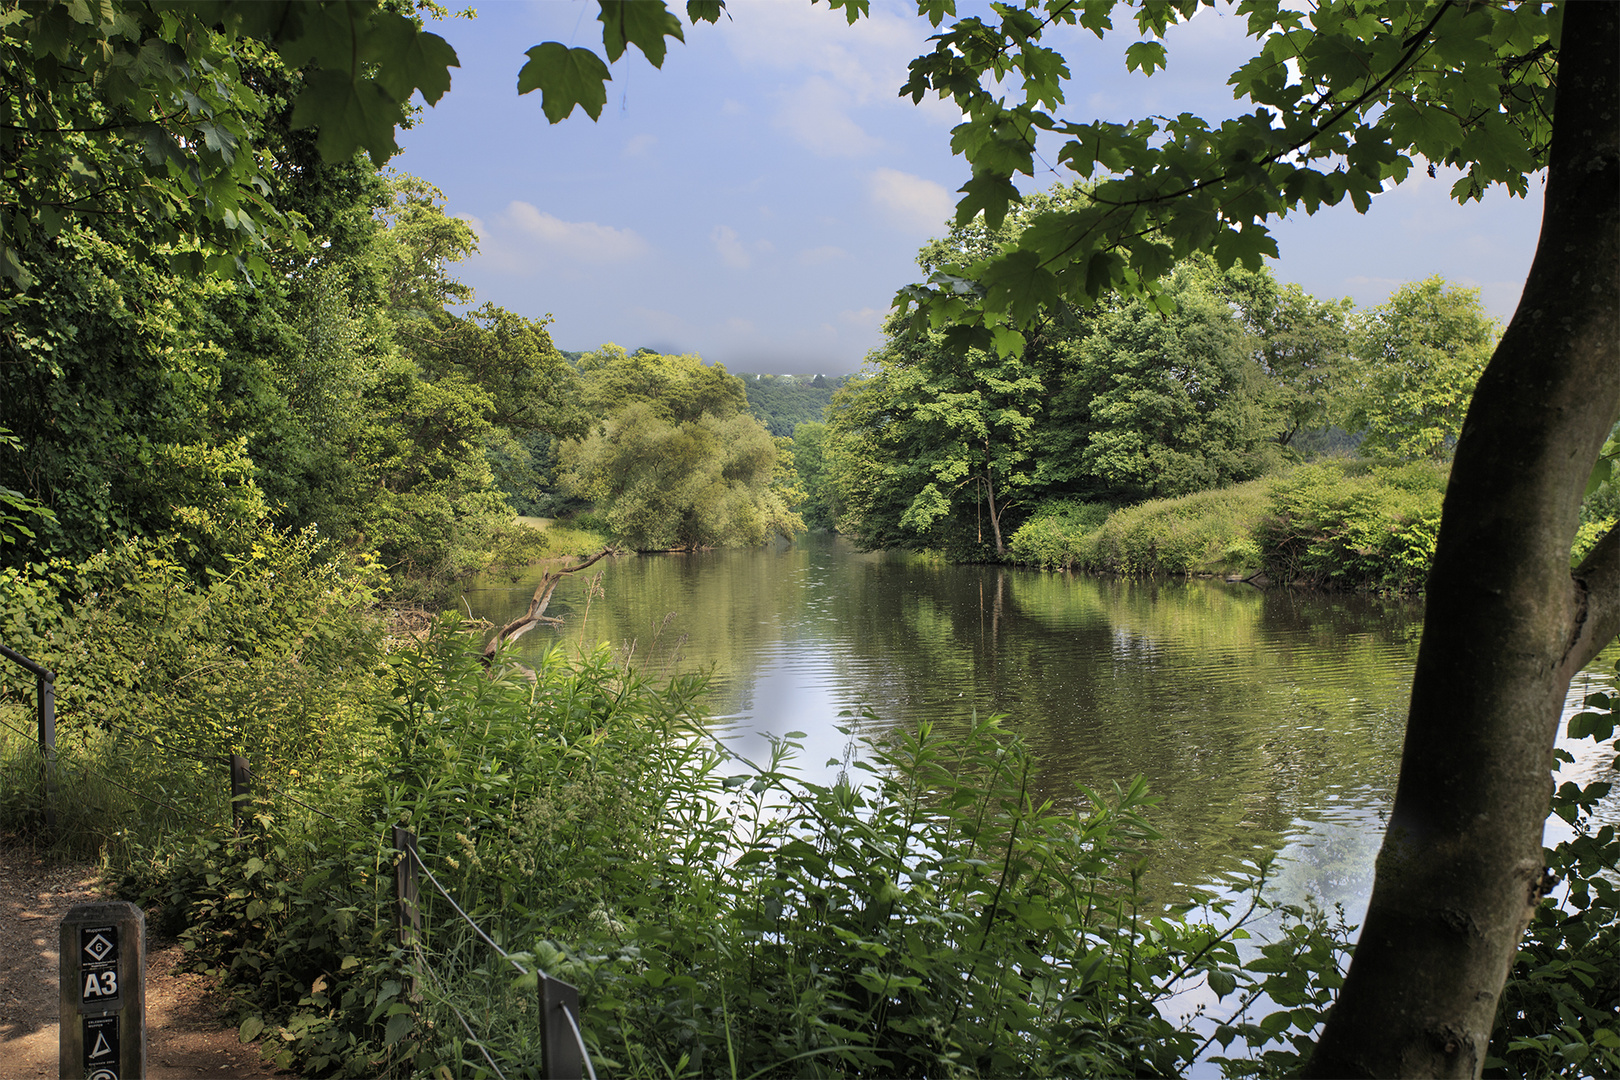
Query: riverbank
{"points": [[1336, 525]]}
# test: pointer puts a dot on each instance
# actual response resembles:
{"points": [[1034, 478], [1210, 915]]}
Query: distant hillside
{"points": [[782, 402]]}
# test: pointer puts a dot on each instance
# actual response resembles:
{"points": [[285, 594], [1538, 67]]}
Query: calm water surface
{"points": [[1269, 722]]}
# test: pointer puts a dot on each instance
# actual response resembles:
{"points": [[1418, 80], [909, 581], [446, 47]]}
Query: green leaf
{"points": [[409, 58], [565, 77], [1222, 982], [348, 115], [1018, 284], [1145, 55], [642, 23], [399, 1025], [705, 10], [990, 193], [249, 1030]]}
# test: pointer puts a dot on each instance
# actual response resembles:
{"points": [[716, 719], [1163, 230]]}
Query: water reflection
{"points": [[1267, 722]]}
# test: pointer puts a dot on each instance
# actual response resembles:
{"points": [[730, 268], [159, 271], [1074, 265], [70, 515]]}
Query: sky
{"points": [[759, 199]]}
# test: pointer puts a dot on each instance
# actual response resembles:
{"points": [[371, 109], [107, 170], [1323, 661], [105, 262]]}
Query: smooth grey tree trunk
{"points": [[1507, 624]]}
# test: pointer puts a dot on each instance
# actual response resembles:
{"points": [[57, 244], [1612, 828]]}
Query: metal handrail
{"points": [[45, 684]]}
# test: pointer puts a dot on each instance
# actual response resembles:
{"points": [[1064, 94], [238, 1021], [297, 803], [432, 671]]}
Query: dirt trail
{"points": [[186, 1037]]}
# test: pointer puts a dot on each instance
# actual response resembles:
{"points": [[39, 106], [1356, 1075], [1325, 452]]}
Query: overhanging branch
{"points": [[1598, 579]]}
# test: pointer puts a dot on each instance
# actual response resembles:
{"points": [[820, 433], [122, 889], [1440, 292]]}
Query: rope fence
{"points": [[563, 1050], [562, 1046]]}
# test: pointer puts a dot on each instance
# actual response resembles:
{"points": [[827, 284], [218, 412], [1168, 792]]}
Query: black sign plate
{"points": [[101, 1047], [98, 965]]}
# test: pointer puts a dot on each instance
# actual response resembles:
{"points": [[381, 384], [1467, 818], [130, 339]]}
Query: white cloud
{"points": [[731, 250], [639, 146], [846, 69], [732, 107], [869, 58], [910, 202], [817, 116], [583, 240]]}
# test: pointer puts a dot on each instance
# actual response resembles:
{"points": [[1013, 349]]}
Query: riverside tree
{"points": [[1420, 355], [1345, 96]]}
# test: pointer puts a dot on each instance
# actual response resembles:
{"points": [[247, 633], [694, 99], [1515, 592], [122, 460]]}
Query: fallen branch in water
{"points": [[537, 607]]}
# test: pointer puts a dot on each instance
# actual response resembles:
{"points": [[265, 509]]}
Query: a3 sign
{"points": [[98, 963]]}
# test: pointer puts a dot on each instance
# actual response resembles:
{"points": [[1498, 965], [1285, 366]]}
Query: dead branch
{"points": [[537, 607]]}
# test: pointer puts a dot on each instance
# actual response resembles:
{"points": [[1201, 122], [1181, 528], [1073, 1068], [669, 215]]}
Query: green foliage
{"points": [[1160, 405], [1354, 527], [1054, 537], [1560, 1011], [676, 388], [712, 481], [154, 113], [1343, 97], [1419, 357], [1204, 533], [162, 672], [810, 448], [718, 917], [783, 402], [129, 415], [1302, 344]]}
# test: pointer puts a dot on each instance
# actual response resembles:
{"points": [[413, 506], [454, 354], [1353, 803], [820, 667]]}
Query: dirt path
{"points": [[186, 1037]]}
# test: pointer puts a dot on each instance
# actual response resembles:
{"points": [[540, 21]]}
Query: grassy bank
{"points": [[1337, 524]]}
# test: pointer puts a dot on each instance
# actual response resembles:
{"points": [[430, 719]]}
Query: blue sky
{"points": [[760, 198]]}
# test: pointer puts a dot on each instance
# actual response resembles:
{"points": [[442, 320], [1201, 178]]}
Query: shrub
{"points": [[1206, 532], [1054, 536], [1560, 1011], [1344, 526]]}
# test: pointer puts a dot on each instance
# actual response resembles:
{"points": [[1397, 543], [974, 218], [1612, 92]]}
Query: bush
{"points": [[162, 675], [717, 917], [1054, 536], [1209, 532], [1345, 526]]}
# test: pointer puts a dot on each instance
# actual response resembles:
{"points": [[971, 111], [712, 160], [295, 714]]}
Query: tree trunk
{"points": [[990, 501], [1507, 624]]}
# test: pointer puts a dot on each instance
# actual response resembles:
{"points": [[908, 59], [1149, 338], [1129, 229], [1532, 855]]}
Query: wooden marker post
{"points": [[103, 993]]}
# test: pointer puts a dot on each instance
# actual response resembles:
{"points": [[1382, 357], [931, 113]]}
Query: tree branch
{"points": [[537, 607], [1598, 580]]}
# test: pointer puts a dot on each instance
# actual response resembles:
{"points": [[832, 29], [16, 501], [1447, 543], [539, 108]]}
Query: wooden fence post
{"points": [[47, 745], [407, 911], [561, 1056], [45, 687], [241, 790]]}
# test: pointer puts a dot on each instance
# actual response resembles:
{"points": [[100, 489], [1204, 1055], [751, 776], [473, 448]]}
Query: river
{"points": [[1269, 722]]}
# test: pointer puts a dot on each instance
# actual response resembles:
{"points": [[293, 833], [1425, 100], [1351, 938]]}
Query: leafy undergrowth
{"points": [[719, 918], [1345, 525], [1336, 525]]}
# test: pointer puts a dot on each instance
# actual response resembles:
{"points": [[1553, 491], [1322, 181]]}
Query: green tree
{"points": [[711, 481], [1345, 95], [1419, 356], [149, 112], [810, 448], [678, 388], [1303, 346], [954, 443], [783, 402], [1165, 404]]}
